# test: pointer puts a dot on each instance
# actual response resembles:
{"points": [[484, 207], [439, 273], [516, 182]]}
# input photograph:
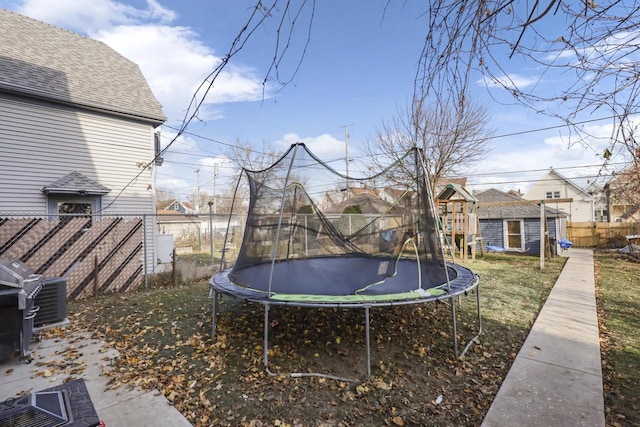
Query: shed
{"points": [[513, 223]]}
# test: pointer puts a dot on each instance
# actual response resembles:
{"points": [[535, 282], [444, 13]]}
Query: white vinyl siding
{"points": [[41, 143]]}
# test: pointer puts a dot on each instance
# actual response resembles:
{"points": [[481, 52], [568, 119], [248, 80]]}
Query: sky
{"points": [[357, 70]]}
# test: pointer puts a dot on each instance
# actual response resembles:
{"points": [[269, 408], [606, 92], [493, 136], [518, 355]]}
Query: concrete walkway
{"points": [[556, 379], [79, 356]]}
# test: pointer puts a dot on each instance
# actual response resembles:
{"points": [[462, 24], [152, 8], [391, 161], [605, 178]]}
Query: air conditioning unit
{"points": [[52, 301]]}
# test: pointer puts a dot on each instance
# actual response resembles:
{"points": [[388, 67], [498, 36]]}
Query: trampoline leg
{"points": [[265, 344], [472, 340], [454, 327], [479, 324], [214, 313], [368, 342], [265, 355]]}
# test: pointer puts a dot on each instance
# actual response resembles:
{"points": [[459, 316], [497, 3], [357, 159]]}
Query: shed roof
{"points": [[527, 210], [46, 62]]}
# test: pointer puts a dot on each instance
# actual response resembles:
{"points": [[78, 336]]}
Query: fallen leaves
{"points": [[167, 346]]}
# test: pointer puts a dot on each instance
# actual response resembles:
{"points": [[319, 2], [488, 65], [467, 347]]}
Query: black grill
{"points": [[19, 286]]}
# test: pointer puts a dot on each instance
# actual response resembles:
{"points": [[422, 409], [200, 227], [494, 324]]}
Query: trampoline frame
{"points": [[221, 278]]}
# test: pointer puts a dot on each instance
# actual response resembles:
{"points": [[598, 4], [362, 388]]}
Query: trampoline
{"points": [[308, 242]]}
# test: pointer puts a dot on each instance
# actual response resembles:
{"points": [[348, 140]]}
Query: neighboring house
{"points": [[368, 203], [77, 124], [623, 196], [510, 222], [555, 186], [331, 198], [600, 209], [173, 206]]}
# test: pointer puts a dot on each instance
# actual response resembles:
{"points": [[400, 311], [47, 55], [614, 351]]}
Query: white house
{"points": [[77, 123], [555, 186], [77, 136]]}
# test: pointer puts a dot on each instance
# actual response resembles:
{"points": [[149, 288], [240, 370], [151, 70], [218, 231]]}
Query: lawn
{"points": [[618, 283], [164, 339]]}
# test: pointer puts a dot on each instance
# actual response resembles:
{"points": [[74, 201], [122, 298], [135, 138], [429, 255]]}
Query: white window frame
{"points": [[505, 234], [53, 201]]}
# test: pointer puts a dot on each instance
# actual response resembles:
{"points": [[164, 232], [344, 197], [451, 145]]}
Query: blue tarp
{"points": [[565, 244]]}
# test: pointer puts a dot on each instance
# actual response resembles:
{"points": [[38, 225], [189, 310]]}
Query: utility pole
{"points": [[215, 175], [197, 190], [346, 151]]}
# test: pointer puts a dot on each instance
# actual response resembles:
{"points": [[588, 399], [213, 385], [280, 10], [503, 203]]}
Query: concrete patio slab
{"points": [[77, 355]]}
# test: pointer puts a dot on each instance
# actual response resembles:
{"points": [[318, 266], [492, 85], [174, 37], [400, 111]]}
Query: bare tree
{"points": [[623, 190], [252, 157], [451, 139], [593, 45], [165, 195], [246, 156]]}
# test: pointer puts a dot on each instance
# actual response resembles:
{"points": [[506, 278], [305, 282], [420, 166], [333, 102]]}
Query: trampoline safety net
{"points": [[300, 209]]}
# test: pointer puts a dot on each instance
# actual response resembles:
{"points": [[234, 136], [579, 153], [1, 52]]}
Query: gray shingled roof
{"points": [[76, 183], [40, 60], [516, 212], [369, 204]]}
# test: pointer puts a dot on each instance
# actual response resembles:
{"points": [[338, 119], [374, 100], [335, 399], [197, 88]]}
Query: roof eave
{"points": [[155, 120], [78, 191]]}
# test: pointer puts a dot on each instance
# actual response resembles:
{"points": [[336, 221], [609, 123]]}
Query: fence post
{"points": [[95, 276], [173, 268], [144, 250]]}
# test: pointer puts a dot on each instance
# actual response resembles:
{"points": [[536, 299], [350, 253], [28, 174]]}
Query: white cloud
{"points": [[511, 81], [173, 59], [325, 146], [87, 16]]}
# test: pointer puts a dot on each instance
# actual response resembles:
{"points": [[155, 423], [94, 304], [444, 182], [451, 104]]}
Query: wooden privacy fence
{"points": [[77, 249], [600, 234]]}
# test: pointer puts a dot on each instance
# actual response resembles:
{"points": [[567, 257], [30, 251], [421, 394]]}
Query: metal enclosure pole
{"points": [[211, 232]]}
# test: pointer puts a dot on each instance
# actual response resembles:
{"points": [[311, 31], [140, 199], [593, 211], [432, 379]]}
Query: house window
{"points": [[514, 234], [552, 195], [75, 208], [68, 205]]}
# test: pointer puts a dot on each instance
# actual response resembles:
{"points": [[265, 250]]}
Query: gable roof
{"points": [[46, 62], [553, 174], [452, 189], [76, 183], [513, 211]]}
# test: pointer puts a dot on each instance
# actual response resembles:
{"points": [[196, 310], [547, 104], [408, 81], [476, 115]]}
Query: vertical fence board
{"points": [[600, 234]]}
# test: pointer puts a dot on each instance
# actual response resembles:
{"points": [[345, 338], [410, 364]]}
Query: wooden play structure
{"points": [[459, 220]]}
